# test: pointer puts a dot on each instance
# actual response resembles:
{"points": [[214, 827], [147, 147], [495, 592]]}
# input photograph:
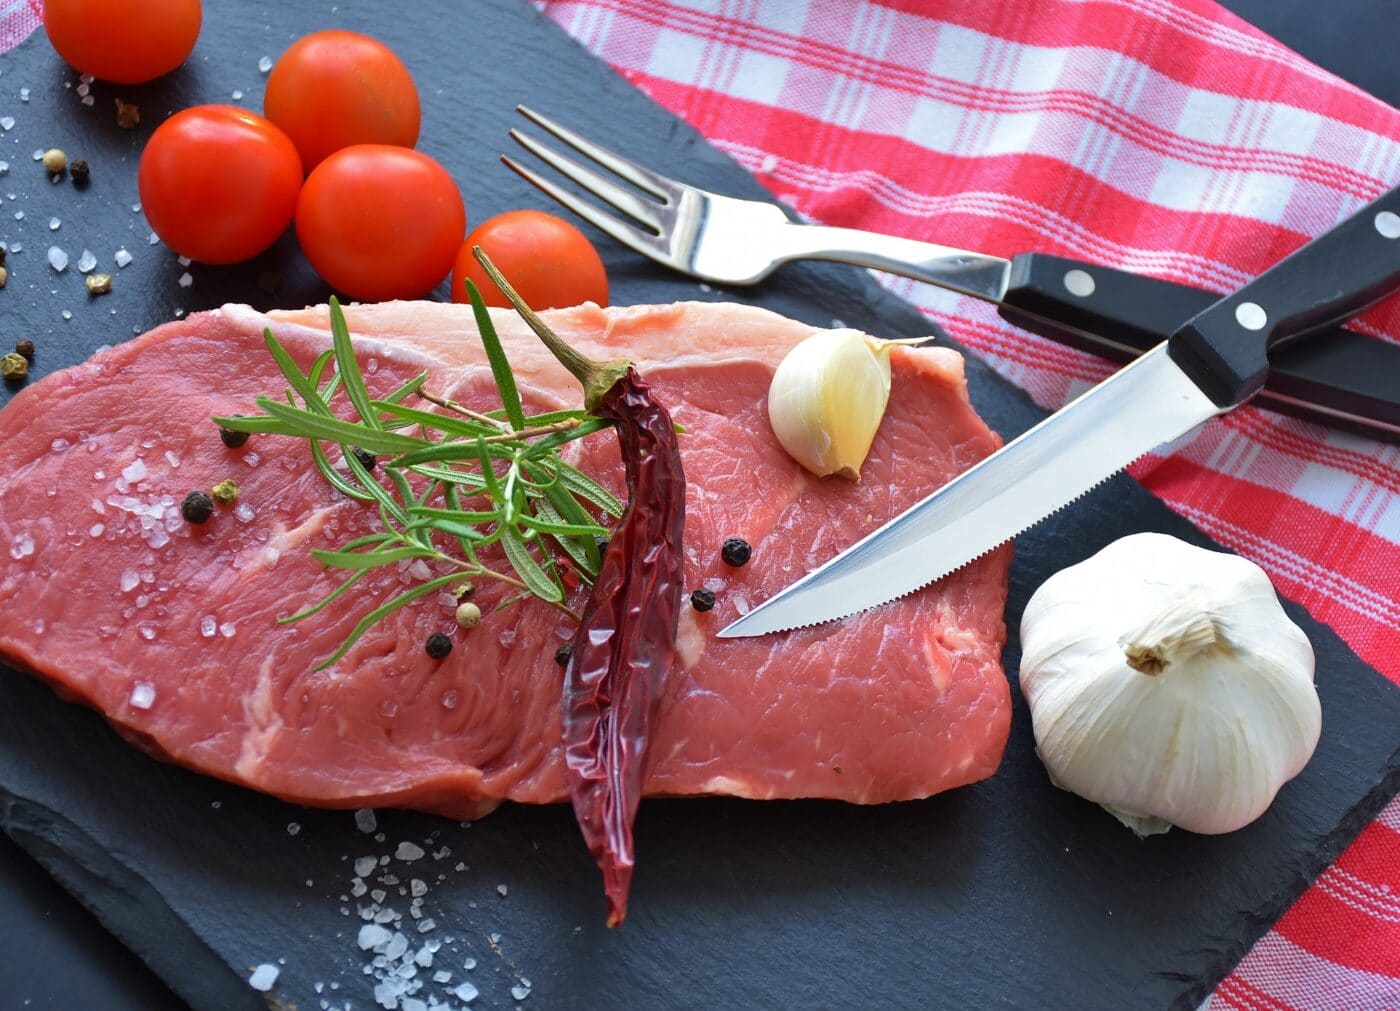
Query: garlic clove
{"points": [[1166, 683], [827, 399]]}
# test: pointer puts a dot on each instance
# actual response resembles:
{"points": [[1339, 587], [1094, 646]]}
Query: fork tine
{"points": [[654, 183], [623, 199], [629, 235]]}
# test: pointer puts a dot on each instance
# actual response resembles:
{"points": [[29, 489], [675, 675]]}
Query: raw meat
{"points": [[169, 629]]}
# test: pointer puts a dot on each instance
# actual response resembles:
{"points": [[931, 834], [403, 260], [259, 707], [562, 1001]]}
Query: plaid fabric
{"points": [[1166, 137]]}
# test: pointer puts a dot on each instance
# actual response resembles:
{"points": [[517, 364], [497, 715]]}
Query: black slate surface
{"points": [[1006, 894]]}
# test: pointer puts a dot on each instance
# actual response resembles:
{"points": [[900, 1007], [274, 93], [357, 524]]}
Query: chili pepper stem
{"points": [[597, 378]]}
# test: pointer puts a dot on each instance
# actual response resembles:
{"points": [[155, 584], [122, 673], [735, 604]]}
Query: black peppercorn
{"points": [[437, 646], [702, 600], [564, 654], [603, 543], [232, 439], [197, 507], [80, 172], [736, 552], [366, 458], [25, 346]]}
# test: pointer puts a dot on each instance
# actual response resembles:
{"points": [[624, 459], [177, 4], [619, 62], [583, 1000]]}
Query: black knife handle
{"points": [[1225, 350], [1344, 379]]}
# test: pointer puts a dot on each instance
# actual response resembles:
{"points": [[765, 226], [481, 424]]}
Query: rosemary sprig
{"points": [[505, 464]]}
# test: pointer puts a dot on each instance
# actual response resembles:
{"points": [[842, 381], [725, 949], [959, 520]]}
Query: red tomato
{"points": [[380, 222], [335, 88], [549, 262], [128, 42], [219, 184]]}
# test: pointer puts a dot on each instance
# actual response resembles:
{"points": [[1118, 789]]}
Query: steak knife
{"points": [[1213, 363]]}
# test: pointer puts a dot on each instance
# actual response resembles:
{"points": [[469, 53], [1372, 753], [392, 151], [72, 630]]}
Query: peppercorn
{"points": [[55, 161], [25, 346], [564, 654], [437, 646], [702, 600], [224, 492], [4, 277], [128, 114], [736, 552], [99, 284], [14, 367], [468, 615], [464, 592], [79, 172], [231, 439], [603, 543], [366, 458], [3, 251], [197, 507]]}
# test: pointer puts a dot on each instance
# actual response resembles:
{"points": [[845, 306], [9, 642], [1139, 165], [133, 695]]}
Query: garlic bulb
{"points": [[1166, 683], [828, 397]]}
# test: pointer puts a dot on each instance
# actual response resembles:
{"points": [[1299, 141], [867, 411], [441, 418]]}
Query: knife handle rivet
{"points": [[1251, 316], [1079, 283], [1388, 224]]}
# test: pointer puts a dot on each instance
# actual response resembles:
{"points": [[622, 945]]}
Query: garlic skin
{"points": [[1167, 684], [827, 399]]}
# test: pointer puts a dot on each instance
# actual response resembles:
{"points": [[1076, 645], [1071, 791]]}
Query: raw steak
{"points": [[169, 629]]}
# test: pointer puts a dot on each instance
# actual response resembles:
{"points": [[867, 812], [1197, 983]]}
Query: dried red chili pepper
{"points": [[626, 638]]}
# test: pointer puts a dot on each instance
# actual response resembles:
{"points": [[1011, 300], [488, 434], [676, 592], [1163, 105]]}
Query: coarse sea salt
{"points": [[372, 936], [122, 257], [58, 259], [264, 977], [86, 261], [364, 866], [227, 630], [408, 851], [130, 580], [143, 695], [134, 471], [208, 626], [264, 64], [365, 820], [186, 279], [466, 992], [244, 512], [520, 992], [8, 123], [55, 224]]}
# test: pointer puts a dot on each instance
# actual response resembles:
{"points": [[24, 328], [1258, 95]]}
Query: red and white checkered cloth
{"points": [[1166, 137]]}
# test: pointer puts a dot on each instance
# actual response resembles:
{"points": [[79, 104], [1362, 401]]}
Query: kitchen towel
{"points": [[1167, 138]]}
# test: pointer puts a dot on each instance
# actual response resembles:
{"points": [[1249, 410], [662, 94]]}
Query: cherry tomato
{"points": [[129, 42], [335, 88], [549, 262], [380, 222], [219, 184]]}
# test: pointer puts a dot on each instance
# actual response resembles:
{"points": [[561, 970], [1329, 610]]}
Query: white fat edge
{"points": [[263, 720], [320, 339]]}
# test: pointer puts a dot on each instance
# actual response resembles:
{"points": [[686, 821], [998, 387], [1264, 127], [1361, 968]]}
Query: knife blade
{"points": [[1216, 361]]}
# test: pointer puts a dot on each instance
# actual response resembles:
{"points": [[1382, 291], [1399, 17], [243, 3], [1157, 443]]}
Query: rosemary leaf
{"points": [[536, 580], [313, 425], [368, 559], [496, 355], [347, 368]]}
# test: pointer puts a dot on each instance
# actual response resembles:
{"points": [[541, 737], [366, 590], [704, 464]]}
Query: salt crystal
{"points": [[4, 167], [470, 963], [373, 936], [135, 471], [186, 279], [293, 828], [502, 890], [418, 887], [87, 261], [143, 695], [66, 314], [378, 895], [386, 995], [19, 216], [408, 851], [159, 537], [358, 888], [715, 584], [54, 224], [136, 208], [244, 512], [388, 708], [8, 123], [59, 444], [237, 95], [424, 958], [741, 603], [365, 820], [397, 945], [96, 530], [58, 259], [24, 94], [16, 247], [87, 100], [466, 992], [495, 938], [227, 630], [364, 866], [151, 240], [147, 629], [265, 64], [263, 978], [520, 992], [426, 925], [449, 699], [507, 637], [208, 625], [130, 580], [84, 88], [385, 915], [172, 459], [184, 261], [419, 569], [412, 1004], [442, 976]]}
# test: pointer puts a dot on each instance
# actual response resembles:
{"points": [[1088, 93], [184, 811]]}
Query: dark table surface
{"points": [[55, 955]]}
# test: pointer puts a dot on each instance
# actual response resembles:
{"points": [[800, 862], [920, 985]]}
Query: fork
{"points": [[733, 241]]}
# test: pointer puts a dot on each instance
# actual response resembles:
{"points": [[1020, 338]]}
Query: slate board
{"points": [[1006, 894]]}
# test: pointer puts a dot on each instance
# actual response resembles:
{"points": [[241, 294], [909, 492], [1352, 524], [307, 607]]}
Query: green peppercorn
{"points": [[366, 458], [14, 367], [702, 600], [197, 507], [437, 646], [224, 492], [736, 552], [232, 440], [564, 654]]}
